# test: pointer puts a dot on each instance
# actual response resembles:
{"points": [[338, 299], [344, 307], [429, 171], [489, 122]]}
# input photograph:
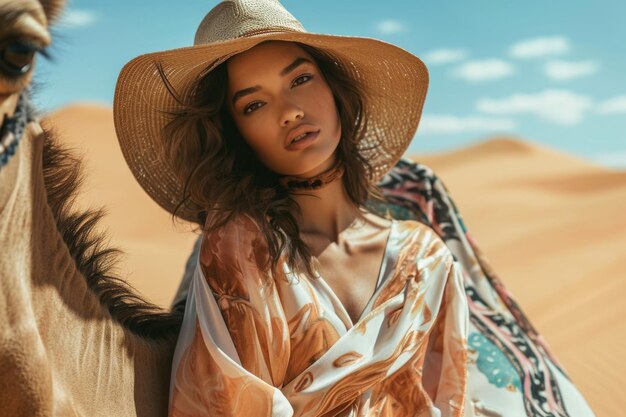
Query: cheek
{"points": [[331, 113], [256, 132], [261, 138], [251, 132]]}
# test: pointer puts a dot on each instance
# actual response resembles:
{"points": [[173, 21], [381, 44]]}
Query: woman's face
{"points": [[276, 92]]}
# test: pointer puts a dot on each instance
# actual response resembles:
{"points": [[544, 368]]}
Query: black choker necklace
{"points": [[295, 183]]}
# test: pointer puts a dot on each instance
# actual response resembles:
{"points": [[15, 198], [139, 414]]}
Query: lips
{"points": [[303, 143], [298, 131]]}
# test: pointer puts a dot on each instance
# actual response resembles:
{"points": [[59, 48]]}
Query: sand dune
{"points": [[551, 224], [553, 227]]}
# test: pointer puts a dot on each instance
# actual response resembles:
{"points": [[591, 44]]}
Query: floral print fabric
{"points": [[511, 371], [283, 345]]}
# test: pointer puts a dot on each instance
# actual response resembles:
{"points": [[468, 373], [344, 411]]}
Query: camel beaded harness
{"points": [[13, 129]]}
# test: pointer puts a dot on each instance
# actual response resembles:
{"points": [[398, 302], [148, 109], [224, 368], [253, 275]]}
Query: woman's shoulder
{"points": [[421, 239], [232, 257], [237, 226], [236, 223], [239, 235], [415, 229]]}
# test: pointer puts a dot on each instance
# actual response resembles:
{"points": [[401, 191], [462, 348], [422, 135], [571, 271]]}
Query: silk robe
{"points": [[282, 344]]}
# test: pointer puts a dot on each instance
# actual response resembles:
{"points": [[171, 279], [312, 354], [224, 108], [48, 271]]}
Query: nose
{"points": [[291, 112]]}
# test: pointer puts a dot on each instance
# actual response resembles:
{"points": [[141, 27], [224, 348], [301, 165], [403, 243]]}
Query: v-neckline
{"points": [[379, 284]]}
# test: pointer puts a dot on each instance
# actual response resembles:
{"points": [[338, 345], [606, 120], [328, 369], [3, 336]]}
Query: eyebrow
{"points": [[296, 63]]}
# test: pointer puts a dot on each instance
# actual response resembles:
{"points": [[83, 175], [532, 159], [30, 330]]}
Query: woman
{"points": [[303, 302], [284, 317]]}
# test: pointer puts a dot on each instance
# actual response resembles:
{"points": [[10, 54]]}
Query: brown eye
{"points": [[16, 57], [302, 79], [251, 107]]}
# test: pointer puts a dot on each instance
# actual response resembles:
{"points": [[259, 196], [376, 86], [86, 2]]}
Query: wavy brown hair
{"points": [[223, 177]]}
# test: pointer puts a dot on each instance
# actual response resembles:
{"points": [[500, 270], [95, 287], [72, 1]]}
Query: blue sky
{"points": [[552, 72]]}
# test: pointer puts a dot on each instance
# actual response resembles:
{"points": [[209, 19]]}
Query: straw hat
{"points": [[396, 79]]}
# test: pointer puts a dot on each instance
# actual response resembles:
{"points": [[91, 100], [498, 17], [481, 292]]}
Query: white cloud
{"points": [[444, 56], [437, 124], [539, 47], [484, 70], [615, 160], [615, 105], [567, 70], [74, 18], [558, 106], [390, 26]]}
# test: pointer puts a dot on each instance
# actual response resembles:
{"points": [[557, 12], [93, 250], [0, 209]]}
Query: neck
{"points": [[325, 211]]}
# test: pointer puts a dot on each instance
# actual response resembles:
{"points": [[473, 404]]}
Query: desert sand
{"points": [[551, 224]]}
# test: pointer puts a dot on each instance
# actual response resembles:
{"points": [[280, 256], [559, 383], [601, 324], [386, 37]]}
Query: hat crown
{"points": [[233, 19]]}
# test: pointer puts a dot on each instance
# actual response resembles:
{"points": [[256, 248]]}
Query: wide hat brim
{"points": [[396, 82]]}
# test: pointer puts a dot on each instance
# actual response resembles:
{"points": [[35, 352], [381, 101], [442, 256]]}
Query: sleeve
{"points": [[444, 372], [449, 346], [437, 306], [233, 346]]}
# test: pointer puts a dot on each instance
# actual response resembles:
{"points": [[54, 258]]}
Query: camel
{"points": [[76, 340]]}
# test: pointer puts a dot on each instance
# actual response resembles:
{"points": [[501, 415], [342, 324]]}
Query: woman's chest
{"points": [[351, 279], [321, 310]]}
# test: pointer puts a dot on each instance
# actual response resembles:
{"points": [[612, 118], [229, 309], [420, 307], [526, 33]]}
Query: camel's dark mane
{"points": [[62, 172]]}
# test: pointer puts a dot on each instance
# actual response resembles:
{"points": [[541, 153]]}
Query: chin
{"points": [[314, 168], [308, 162]]}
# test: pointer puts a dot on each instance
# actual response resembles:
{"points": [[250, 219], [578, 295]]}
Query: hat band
{"points": [[262, 31]]}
